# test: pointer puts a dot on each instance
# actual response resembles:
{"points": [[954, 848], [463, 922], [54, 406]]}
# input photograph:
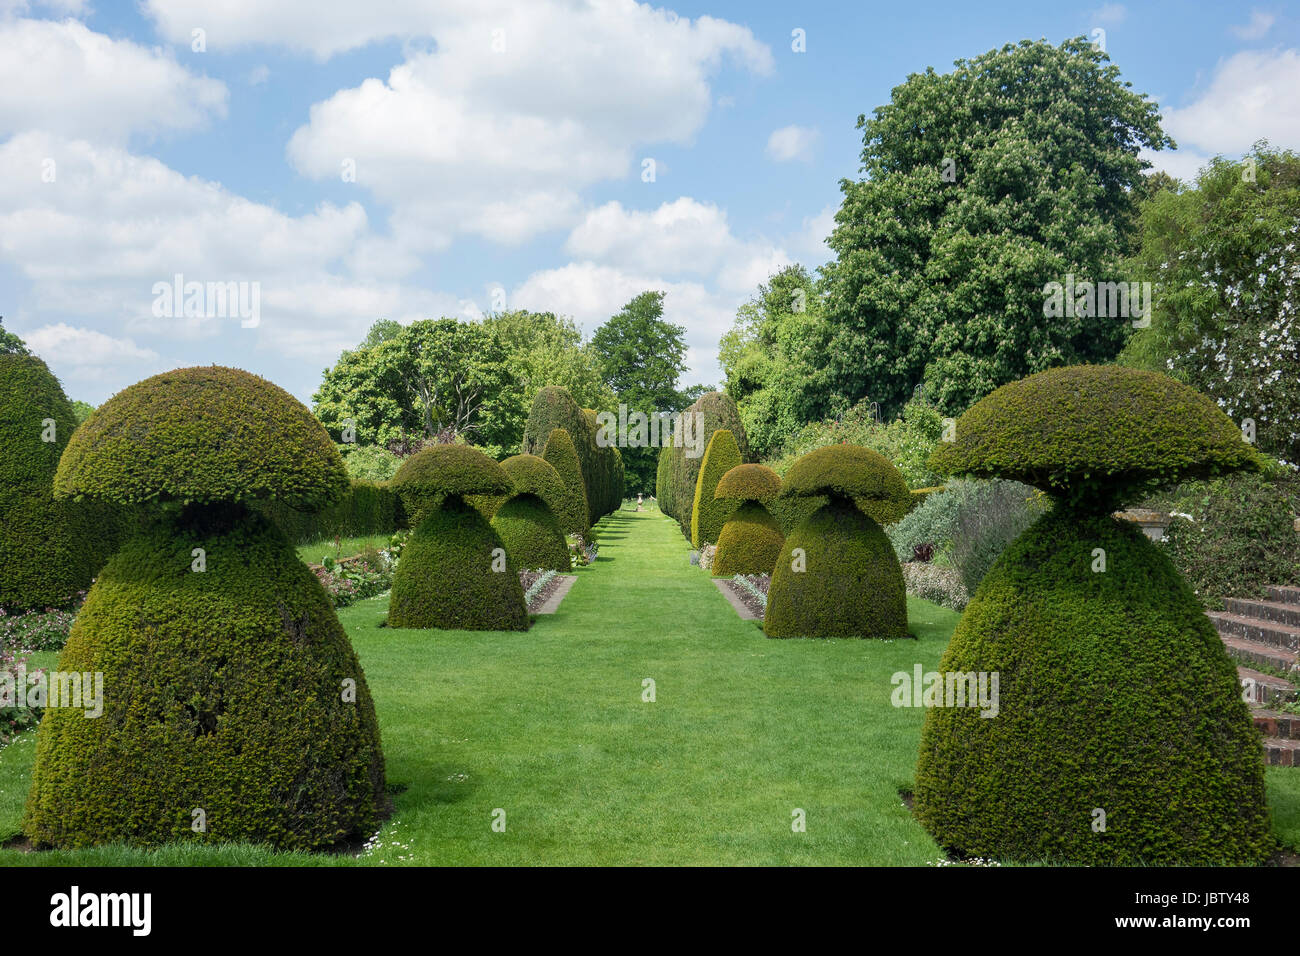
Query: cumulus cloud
{"points": [[88, 353], [791, 143], [1250, 97], [65, 78], [517, 109]]}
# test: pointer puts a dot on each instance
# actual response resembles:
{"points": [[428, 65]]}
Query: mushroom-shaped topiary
{"points": [[526, 521], [837, 575], [229, 684], [708, 513], [455, 572], [49, 549], [572, 510], [1114, 691], [751, 539]]}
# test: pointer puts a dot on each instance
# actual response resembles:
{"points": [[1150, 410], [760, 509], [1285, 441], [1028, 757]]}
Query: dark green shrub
{"points": [[1098, 431], [666, 481], [851, 584], [554, 407], [234, 689], [530, 534], [531, 474], [365, 508], [1114, 693], [454, 572], [223, 691], [209, 434], [446, 577], [49, 550], [573, 511], [1240, 536], [708, 513], [750, 542], [716, 410]]}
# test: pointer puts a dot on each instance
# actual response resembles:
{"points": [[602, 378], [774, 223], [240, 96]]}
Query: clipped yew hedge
{"points": [[708, 513], [559, 454], [232, 694], [717, 410], [1116, 694], [553, 407], [366, 508]]}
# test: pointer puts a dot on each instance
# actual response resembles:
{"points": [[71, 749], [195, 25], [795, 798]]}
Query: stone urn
{"points": [[1152, 523]]}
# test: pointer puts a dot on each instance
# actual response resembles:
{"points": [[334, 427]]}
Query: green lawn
{"points": [[550, 726], [346, 548]]}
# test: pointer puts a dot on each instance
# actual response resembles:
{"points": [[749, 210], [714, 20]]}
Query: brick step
{"points": [[1281, 753], [1277, 725], [1250, 652], [1265, 688], [1252, 629], [1273, 611], [1286, 595]]}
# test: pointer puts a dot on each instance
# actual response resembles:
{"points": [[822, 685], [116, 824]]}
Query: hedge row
{"points": [[679, 472], [366, 508]]}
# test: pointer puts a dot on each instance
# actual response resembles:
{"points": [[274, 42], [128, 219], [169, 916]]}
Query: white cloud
{"points": [[1110, 13], [791, 143], [1255, 28], [506, 140], [92, 244], [64, 78], [88, 353], [1250, 97]]}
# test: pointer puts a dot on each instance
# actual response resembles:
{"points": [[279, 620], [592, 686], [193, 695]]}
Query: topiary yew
{"points": [[526, 522], [455, 571], [49, 550], [553, 407], [848, 582], [750, 541], [714, 410], [1115, 692], [708, 513], [559, 454], [229, 685]]}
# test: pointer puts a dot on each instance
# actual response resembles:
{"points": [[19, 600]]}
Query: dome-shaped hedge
{"points": [[750, 542], [708, 513], [749, 483], [233, 692], [203, 435], [553, 407], [851, 584], [559, 454], [849, 471], [458, 470], [450, 576], [1095, 432], [531, 535], [715, 410], [1115, 694], [533, 475], [49, 550]]}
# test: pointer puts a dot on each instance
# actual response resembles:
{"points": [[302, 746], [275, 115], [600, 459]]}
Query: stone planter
{"points": [[1152, 523]]}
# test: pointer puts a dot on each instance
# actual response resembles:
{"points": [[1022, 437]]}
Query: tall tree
{"points": [[11, 344], [981, 186], [642, 356]]}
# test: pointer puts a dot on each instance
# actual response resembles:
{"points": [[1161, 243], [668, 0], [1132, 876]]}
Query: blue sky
{"points": [[498, 150]]}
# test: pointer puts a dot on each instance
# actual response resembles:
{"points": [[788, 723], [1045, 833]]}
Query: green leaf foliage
{"points": [[1095, 435], [208, 434], [1115, 693], [446, 577], [223, 690], [530, 534], [559, 453], [749, 543], [716, 410], [850, 586], [709, 513]]}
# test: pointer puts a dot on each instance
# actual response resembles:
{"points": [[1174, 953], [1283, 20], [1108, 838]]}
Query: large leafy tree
{"points": [[642, 356], [443, 376], [774, 359], [1223, 256], [981, 186], [11, 344]]}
